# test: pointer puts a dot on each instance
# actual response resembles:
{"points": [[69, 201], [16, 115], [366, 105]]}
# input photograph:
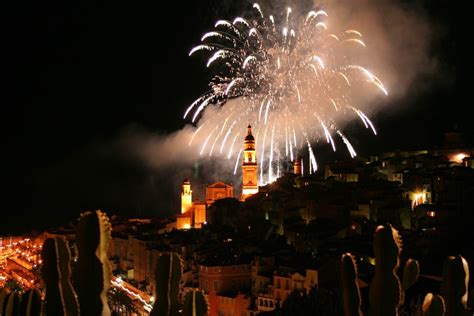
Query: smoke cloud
{"points": [[397, 37]]}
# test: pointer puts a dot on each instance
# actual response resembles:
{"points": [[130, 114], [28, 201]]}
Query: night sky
{"points": [[79, 73]]}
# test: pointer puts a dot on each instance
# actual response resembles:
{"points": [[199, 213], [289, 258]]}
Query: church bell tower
{"points": [[186, 197], [249, 166]]}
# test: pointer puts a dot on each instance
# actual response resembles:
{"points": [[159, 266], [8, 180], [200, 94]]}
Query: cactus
{"points": [[386, 295], [433, 305], [195, 304], [454, 285], [168, 275], [470, 300], [350, 292], [11, 305], [93, 271], [31, 303], [3, 300], [60, 298], [411, 271]]}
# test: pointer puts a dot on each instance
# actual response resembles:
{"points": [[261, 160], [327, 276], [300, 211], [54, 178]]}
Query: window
{"points": [[206, 286], [216, 286]]}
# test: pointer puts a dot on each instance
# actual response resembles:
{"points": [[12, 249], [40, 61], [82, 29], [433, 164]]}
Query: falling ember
{"points": [[270, 163], [284, 71], [237, 161], [194, 134]]}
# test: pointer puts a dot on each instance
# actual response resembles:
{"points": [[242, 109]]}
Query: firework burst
{"points": [[289, 77]]}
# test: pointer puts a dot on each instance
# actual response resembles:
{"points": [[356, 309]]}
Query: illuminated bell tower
{"points": [[186, 197], [249, 166], [297, 167]]}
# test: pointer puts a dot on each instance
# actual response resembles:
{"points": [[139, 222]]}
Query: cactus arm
{"points": [[433, 305], [13, 305], [60, 298], [168, 275], [385, 294], [350, 292], [470, 300], [31, 303], [3, 299], [195, 304], [411, 271], [454, 285], [93, 272]]}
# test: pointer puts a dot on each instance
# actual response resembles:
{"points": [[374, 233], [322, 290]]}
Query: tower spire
{"points": [[249, 166]]}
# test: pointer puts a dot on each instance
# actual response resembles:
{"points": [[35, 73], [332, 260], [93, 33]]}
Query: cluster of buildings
{"points": [[193, 213], [249, 254], [20, 260], [300, 226]]}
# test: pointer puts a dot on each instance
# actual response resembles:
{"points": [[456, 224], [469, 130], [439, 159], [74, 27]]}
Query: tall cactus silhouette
{"points": [[31, 303], [168, 275], [93, 271], [385, 294], [350, 292], [195, 304], [433, 305], [454, 285], [60, 298]]}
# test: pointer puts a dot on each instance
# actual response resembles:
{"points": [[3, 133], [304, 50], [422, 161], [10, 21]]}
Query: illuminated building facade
{"points": [[224, 285], [193, 214], [297, 167], [249, 166], [186, 197], [217, 191]]}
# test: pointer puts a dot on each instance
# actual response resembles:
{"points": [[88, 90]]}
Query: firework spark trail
{"points": [[348, 144], [227, 135], [207, 139], [263, 154], [195, 133], [292, 73], [218, 135], [270, 171], [237, 160], [328, 136], [232, 146]]}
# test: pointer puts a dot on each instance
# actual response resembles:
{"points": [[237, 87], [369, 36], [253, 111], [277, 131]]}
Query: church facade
{"points": [[193, 213]]}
